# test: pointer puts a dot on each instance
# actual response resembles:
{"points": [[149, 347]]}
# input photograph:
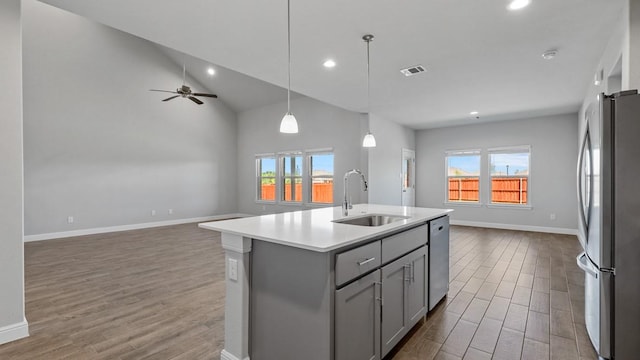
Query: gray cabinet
{"points": [[382, 291], [404, 296], [417, 286], [394, 298], [357, 321]]}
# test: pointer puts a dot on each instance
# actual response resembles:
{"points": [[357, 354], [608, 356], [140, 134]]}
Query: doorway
{"points": [[408, 177]]}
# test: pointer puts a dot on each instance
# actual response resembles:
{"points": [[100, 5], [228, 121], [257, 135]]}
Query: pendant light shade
{"points": [[369, 140], [289, 124]]}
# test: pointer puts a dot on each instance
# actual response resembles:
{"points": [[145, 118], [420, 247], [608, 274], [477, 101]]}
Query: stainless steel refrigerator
{"points": [[609, 197]]}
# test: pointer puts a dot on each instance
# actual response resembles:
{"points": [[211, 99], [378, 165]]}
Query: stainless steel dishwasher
{"points": [[438, 260]]}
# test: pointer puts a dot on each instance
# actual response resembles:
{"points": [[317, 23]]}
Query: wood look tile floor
{"points": [[159, 294], [512, 295]]}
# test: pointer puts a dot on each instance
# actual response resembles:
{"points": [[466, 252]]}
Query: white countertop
{"points": [[315, 230]]}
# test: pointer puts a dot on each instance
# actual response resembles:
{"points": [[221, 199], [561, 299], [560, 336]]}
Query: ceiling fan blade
{"points": [[196, 100], [207, 95], [173, 92], [172, 97]]}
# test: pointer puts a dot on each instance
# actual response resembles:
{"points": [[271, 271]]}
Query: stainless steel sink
{"points": [[371, 220]]}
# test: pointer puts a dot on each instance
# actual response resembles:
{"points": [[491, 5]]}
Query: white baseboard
{"points": [[225, 355], [543, 229], [102, 230], [14, 332]]}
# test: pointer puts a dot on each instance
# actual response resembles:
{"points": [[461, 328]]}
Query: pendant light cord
{"points": [[289, 56], [368, 80]]}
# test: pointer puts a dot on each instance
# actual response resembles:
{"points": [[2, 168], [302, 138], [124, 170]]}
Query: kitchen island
{"points": [[318, 284]]}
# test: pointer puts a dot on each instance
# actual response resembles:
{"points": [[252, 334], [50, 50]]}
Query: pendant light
{"points": [[369, 140], [289, 124]]}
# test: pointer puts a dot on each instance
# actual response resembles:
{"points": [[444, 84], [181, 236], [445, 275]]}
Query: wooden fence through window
{"points": [[504, 190], [321, 192]]}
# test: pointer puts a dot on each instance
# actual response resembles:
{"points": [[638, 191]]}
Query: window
{"points": [[321, 178], [266, 176], [463, 176], [509, 175], [291, 177]]}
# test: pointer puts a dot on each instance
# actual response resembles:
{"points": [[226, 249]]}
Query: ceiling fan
{"points": [[185, 91]]}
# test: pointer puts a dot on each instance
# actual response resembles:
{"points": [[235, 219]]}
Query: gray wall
{"points": [[321, 126], [11, 253], [553, 141], [102, 148], [385, 160]]}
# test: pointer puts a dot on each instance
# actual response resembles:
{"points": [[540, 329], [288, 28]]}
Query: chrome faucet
{"points": [[346, 204]]}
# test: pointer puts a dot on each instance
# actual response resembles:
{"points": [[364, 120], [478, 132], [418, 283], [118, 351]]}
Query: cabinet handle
{"points": [[360, 263], [440, 228], [413, 273], [380, 297], [408, 266]]}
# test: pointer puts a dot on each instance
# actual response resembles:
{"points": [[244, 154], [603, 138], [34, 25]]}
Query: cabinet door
{"points": [[417, 286], [357, 319], [394, 319]]}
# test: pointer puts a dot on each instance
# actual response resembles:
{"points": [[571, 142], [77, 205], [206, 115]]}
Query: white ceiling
{"points": [[238, 91], [479, 56]]}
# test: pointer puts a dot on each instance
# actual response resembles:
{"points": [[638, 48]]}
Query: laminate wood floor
{"points": [[159, 294]]}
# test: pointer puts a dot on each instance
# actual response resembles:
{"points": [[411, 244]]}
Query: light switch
{"points": [[233, 269]]}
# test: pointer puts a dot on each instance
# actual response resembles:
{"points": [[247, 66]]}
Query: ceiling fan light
{"points": [[369, 140], [289, 124]]}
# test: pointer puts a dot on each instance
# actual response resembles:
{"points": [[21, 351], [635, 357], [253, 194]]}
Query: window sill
{"points": [[513, 206], [265, 202], [319, 205], [464, 204], [291, 203]]}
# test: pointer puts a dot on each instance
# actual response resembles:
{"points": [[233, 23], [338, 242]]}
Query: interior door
{"points": [[408, 177]]}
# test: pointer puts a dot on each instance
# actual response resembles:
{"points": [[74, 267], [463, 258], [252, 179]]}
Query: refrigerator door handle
{"points": [[583, 263], [583, 216]]}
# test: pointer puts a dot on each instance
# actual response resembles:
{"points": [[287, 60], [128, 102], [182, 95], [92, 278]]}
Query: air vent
{"points": [[414, 70]]}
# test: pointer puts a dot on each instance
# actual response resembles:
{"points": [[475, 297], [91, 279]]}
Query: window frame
{"points": [[281, 178], [259, 177], [309, 178], [465, 152], [508, 150]]}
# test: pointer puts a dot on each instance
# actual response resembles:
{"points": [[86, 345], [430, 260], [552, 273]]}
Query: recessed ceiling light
{"points": [[550, 54], [329, 63], [211, 71], [473, 113], [518, 4]]}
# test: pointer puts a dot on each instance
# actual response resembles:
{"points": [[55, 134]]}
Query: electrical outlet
{"points": [[170, 211], [552, 216], [233, 269], [70, 220], [153, 213]]}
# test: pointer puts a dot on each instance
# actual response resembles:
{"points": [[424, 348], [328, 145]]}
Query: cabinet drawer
{"points": [[397, 245], [356, 262]]}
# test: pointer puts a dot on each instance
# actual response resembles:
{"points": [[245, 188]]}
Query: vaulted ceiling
{"points": [[479, 56]]}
